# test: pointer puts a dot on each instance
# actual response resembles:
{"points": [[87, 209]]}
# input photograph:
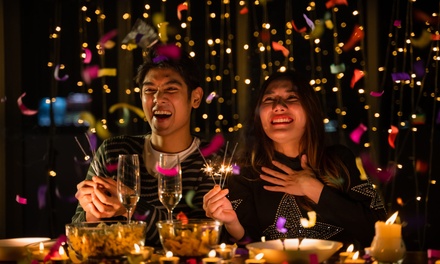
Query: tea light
{"points": [[140, 254], [257, 260], [225, 252], [169, 259], [39, 254], [211, 259], [347, 254], [354, 259], [61, 257]]}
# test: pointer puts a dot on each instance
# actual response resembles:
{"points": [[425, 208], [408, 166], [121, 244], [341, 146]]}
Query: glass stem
{"points": [[170, 215], [129, 215]]}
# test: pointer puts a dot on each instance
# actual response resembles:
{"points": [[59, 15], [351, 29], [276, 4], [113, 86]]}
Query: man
{"points": [[170, 90]]}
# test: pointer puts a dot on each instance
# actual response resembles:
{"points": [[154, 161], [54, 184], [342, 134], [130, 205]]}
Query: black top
{"points": [[348, 217]]}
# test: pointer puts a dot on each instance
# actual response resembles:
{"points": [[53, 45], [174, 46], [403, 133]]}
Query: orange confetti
{"points": [[332, 3], [244, 11], [421, 166], [180, 8], [278, 47], [182, 217], [357, 75], [355, 37], [435, 37], [392, 136], [400, 201]]}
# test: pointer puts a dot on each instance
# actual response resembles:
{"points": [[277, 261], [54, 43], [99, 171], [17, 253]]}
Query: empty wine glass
{"points": [[169, 181], [128, 182]]}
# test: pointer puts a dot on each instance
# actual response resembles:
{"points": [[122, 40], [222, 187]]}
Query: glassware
{"points": [[388, 249], [128, 181], [169, 182]]}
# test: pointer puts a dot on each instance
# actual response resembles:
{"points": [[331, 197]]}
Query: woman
{"points": [[288, 171]]}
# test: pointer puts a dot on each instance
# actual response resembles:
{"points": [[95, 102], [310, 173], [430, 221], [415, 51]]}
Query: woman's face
{"points": [[282, 116]]}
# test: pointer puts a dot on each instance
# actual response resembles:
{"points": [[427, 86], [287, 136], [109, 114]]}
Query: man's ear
{"points": [[196, 97]]}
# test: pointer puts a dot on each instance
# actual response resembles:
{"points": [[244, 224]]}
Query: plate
{"points": [[13, 249], [274, 253]]}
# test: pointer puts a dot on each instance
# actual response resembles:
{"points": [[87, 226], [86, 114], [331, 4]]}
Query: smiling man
{"points": [[170, 90]]}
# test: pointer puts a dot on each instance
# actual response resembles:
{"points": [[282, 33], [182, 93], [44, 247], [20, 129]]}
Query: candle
{"points": [[257, 260], [169, 259], [61, 257], [388, 228], [225, 252], [38, 253], [211, 259], [347, 254], [140, 254], [354, 259]]}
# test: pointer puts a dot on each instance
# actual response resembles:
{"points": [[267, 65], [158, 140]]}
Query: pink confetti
{"points": [[20, 200], [24, 110], [357, 75], [357, 133], [235, 169], [244, 10], [141, 217], [384, 175], [112, 167], [180, 8], [281, 221], [61, 240], [278, 47], [216, 143], [211, 97], [377, 94], [107, 37], [313, 259], [170, 51], [56, 74], [88, 56], [392, 136], [171, 172], [90, 73], [397, 23], [356, 36]]}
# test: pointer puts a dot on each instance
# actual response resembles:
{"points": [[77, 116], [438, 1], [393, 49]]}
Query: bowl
{"points": [[274, 252], [194, 238], [104, 240], [13, 249]]}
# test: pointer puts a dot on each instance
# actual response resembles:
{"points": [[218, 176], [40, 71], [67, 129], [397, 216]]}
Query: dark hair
{"points": [[259, 148], [170, 57]]}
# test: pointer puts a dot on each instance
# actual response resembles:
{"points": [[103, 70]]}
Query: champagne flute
{"points": [[128, 182], [169, 181]]}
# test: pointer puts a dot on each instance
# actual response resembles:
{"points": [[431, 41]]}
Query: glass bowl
{"points": [[104, 240], [192, 239]]}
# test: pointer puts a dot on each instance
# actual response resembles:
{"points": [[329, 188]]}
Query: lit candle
{"points": [[257, 260], [354, 259], [169, 259], [40, 253], [61, 257], [225, 252], [389, 229], [211, 259], [140, 254], [347, 254]]}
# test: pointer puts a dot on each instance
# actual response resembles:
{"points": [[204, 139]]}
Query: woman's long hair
{"points": [[259, 149]]}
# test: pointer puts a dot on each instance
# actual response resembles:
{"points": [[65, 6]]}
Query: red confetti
{"points": [[356, 36], [180, 8], [24, 110], [216, 143], [435, 36], [392, 136], [278, 47], [20, 199], [302, 30], [357, 133], [244, 10], [88, 56], [112, 167], [332, 3], [421, 166], [182, 217], [357, 75]]}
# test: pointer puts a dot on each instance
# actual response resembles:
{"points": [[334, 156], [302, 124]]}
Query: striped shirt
{"points": [[149, 209]]}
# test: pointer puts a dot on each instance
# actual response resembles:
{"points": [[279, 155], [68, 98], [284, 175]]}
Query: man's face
{"points": [[166, 104]]}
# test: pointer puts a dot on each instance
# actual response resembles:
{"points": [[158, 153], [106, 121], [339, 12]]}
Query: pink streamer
{"points": [[171, 172], [377, 94], [216, 143], [357, 133], [88, 57], [24, 110], [20, 200]]}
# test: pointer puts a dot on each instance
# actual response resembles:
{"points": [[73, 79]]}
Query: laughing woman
{"points": [[289, 171]]}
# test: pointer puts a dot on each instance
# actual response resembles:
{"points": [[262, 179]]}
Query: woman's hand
{"points": [[300, 183], [218, 206]]}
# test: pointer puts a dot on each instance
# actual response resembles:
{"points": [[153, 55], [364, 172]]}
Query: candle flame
{"points": [[137, 248], [61, 251], [391, 220], [259, 256], [356, 255], [41, 247], [211, 253], [350, 248], [169, 254], [222, 245], [263, 239]]}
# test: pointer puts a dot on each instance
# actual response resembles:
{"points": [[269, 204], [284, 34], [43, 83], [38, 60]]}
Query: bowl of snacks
{"points": [[104, 240], [192, 238]]}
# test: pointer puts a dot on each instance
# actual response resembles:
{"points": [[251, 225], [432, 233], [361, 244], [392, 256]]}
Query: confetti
{"points": [[392, 136], [400, 76], [87, 56], [419, 68], [331, 3], [308, 223], [235, 169], [42, 196], [302, 30], [171, 172], [56, 75], [90, 73], [163, 31], [376, 94], [182, 217], [309, 22], [357, 133], [169, 51], [356, 36], [421, 166], [61, 240], [210, 97], [357, 75], [423, 40], [112, 167], [281, 221], [20, 200], [180, 8], [397, 23], [189, 198], [141, 217], [335, 69], [106, 41], [278, 47], [244, 10], [24, 110], [142, 35], [383, 175], [216, 143], [107, 72]]}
